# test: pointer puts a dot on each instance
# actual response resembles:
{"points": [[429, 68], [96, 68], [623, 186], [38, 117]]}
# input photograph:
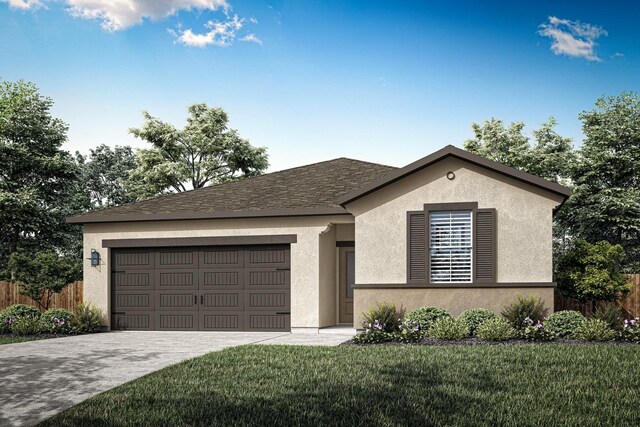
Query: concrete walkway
{"points": [[41, 378]]}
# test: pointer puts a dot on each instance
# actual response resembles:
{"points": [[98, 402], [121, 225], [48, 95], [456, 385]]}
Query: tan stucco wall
{"points": [[524, 220], [305, 261], [327, 269], [452, 299]]}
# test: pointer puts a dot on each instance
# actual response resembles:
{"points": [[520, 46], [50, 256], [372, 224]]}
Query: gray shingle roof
{"points": [[307, 190]]}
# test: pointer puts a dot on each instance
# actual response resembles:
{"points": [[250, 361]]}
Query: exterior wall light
{"points": [[95, 258], [451, 176]]}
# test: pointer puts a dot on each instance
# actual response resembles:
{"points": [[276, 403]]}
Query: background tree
{"points": [[605, 204], [44, 274], [588, 272], [204, 152], [550, 157], [105, 174], [36, 177]]}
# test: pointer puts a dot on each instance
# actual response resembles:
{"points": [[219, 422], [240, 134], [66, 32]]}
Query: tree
{"points": [[605, 204], [204, 152], [550, 157], [105, 174], [44, 274], [36, 176], [589, 272]]}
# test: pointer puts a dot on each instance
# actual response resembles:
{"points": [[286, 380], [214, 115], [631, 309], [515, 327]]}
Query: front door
{"points": [[347, 279]]}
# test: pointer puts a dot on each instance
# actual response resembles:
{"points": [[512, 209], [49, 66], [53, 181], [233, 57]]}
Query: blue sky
{"points": [[383, 81]]}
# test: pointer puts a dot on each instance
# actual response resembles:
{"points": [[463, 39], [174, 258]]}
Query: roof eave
{"points": [[264, 213], [451, 151]]}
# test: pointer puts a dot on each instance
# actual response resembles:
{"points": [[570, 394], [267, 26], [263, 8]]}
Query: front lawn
{"points": [[381, 385], [12, 339]]}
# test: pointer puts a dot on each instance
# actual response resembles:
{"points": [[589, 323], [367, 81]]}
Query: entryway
{"points": [[347, 275]]}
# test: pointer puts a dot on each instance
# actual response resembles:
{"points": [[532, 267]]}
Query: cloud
{"points": [[23, 4], [252, 38], [572, 38], [219, 34], [618, 55], [122, 14]]}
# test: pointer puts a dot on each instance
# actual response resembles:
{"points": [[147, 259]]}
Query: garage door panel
{"points": [[176, 320], [176, 301], [222, 321], [136, 280], [265, 321], [267, 300], [176, 258], [227, 278], [133, 301], [222, 301], [140, 259], [138, 320], [177, 279], [222, 257], [263, 278], [268, 256]]}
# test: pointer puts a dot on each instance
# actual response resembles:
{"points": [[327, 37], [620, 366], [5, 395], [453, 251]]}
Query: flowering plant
{"points": [[535, 331], [631, 330], [409, 332]]}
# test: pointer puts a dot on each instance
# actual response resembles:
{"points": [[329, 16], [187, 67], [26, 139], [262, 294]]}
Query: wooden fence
{"points": [[630, 305], [68, 299]]}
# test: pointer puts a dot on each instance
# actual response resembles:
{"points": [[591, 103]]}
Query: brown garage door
{"points": [[234, 288]]}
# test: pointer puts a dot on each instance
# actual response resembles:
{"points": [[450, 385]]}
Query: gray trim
{"points": [[345, 244], [93, 217], [455, 206], [201, 241], [454, 285], [451, 151]]}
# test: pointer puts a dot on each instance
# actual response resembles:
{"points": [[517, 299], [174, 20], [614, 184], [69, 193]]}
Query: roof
{"points": [[451, 151], [306, 190]]}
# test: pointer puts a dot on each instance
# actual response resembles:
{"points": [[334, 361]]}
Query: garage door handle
{"points": [[283, 269], [119, 312], [283, 312], [195, 299], [201, 299]]}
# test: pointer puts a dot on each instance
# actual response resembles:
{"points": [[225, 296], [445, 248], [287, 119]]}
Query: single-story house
{"points": [[315, 246]]}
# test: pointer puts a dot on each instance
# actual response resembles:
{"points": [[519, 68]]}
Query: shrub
{"points": [[496, 330], [595, 330], [409, 332], [426, 316], [476, 317], [448, 328], [57, 321], [372, 336], [9, 315], [536, 331], [27, 325], [563, 324], [631, 330], [522, 308], [87, 318], [609, 313]]}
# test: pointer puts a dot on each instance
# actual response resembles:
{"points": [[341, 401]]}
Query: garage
{"points": [[204, 288]]}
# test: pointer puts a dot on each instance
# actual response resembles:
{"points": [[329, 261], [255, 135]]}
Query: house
{"points": [[315, 246]]}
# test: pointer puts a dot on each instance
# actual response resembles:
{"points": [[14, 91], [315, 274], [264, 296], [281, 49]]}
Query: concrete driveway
{"points": [[41, 378]]}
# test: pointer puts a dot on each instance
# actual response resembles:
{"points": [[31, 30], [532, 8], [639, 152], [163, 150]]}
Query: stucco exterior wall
{"points": [[524, 220], [452, 299], [305, 260], [327, 269]]}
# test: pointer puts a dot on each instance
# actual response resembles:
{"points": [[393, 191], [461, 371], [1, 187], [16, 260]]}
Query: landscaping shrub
{"points": [[448, 328], [609, 313], [87, 318], [27, 325], [631, 330], [535, 331], [563, 324], [476, 317], [522, 308], [57, 321], [496, 330], [426, 316], [372, 336], [595, 330], [409, 332], [10, 314]]}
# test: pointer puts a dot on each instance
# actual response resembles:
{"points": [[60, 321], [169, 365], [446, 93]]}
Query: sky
{"points": [[382, 81]]}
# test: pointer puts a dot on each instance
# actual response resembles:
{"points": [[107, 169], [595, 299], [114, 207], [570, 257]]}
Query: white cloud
{"points": [[219, 34], [572, 38], [23, 4], [252, 38], [121, 14]]}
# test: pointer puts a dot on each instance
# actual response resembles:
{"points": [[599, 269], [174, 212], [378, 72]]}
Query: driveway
{"points": [[41, 378]]}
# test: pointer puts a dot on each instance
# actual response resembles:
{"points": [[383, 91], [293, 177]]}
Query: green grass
{"points": [[5, 339], [380, 386]]}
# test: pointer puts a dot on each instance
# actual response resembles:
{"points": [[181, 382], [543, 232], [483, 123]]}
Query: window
{"points": [[450, 246]]}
